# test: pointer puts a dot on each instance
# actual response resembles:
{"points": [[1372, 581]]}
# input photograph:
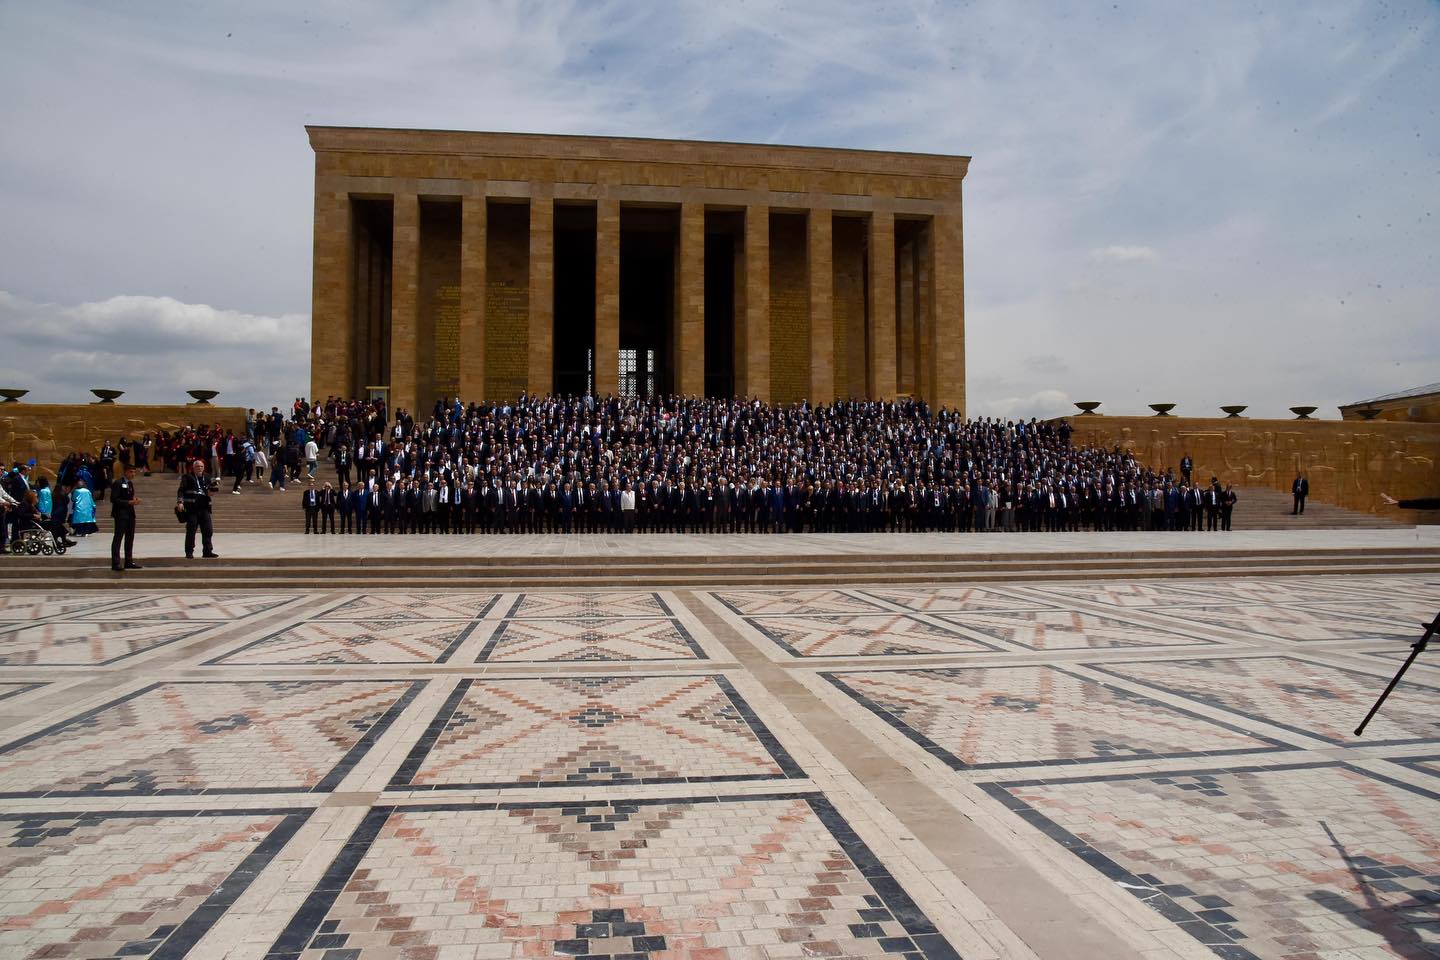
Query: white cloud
{"points": [[154, 348], [1042, 404], [1118, 253]]}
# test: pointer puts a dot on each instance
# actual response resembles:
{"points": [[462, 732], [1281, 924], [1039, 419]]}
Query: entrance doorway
{"points": [[649, 238]]}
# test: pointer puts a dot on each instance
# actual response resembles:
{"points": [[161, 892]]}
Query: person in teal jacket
{"points": [[82, 511], [45, 498]]}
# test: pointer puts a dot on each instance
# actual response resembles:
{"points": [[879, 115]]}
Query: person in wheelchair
{"points": [[32, 536]]}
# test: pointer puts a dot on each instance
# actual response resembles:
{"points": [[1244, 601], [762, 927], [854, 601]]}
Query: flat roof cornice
{"points": [[325, 139]]}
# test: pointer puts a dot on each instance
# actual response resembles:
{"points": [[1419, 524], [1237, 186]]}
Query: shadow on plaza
{"points": [[1401, 924]]}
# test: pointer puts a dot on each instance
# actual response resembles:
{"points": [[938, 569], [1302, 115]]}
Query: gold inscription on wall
{"points": [[447, 340], [507, 338], [789, 344]]}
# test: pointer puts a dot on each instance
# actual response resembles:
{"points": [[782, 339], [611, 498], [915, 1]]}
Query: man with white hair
{"points": [[192, 500]]}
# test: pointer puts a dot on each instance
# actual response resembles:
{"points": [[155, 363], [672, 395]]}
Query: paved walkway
{"points": [[1067, 771], [284, 545]]}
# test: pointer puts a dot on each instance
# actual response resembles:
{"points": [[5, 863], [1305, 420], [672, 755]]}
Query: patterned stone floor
{"points": [[1058, 770]]}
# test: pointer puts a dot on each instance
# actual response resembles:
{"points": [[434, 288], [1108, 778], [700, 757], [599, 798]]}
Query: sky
{"points": [[1192, 203]]}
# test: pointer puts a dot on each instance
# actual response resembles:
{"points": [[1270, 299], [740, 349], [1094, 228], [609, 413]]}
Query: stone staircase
{"points": [[430, 569], [1261, 508], [257, 509]]}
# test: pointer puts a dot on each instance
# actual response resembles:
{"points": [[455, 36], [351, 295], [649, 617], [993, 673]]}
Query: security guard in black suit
{"points": [[122, 509], [194, 497]]}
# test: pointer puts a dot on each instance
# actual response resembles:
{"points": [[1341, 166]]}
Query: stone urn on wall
{"points": [[202, 398], [1232, 411], [1087, 407], [107, 396], [11, 394], [1162, 409], [1303, 413]]}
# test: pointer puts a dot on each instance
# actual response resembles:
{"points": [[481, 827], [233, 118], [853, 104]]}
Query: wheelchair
{"points": [[36, 540]]}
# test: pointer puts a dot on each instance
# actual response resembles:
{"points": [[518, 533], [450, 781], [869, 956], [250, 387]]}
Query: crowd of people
{"points": [[665, 465], [685, 465]]}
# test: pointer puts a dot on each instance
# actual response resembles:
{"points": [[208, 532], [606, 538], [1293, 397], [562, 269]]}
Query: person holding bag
{"points": [[192, 501]]}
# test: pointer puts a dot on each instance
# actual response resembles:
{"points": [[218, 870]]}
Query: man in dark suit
{"points": [[122, 508], [1300, 489], [377, 510], [194, 498], [327, 509], [566, 500], [310, 503], [345, 503], [360, 506]]}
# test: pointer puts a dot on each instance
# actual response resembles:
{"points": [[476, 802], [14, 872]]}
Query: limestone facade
{"points": [[1349, 463], [486, 264], [49, 432]]}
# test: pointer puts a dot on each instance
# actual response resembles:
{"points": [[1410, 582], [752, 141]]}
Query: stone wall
{"points": [[849, 307], [1349, 463], [789, 310], [507, 302], [51, 431], [439, 303]]}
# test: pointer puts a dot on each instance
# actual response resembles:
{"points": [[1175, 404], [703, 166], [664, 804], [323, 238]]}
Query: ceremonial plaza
{"points": [[1088, 731]]}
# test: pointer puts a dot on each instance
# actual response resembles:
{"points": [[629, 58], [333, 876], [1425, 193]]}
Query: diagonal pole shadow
{"points": [[1389, 921]]}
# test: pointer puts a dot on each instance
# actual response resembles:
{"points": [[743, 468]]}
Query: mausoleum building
{"points": [[481, 265]]}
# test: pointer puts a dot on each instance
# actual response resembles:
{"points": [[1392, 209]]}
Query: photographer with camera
{"points": [[192, 503]]}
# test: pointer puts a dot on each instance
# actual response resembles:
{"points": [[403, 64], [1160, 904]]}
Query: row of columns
{"points": [[938, 333]]}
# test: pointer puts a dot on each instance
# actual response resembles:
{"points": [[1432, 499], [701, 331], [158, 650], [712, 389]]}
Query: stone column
{"points": [[472, 294], [822, 310], [752, 367], [689, 340], [880, 378], [332, 326], [924, 296], [542, 289], [404, 296], [948, 273], [607, 297], [905, 352]]}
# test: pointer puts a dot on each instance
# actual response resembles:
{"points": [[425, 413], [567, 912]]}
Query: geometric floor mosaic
{"points": [[207, 737], [86, 643], [354, 641], [199, 607], [955, 599], [1067, 629], [1316, 699], [591, 640], [801, 603], [26, 607], [127, 884], [1120, 594], [563, 731], [985, 717], [1294, 622], [864, 635], [615, 879], [15, 689], [1088, 770], [424, 606], [580, 605], [1312, 860]]}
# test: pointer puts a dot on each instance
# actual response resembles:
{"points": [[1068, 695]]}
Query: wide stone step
{"points": [[379, 567], [206, 575]]}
